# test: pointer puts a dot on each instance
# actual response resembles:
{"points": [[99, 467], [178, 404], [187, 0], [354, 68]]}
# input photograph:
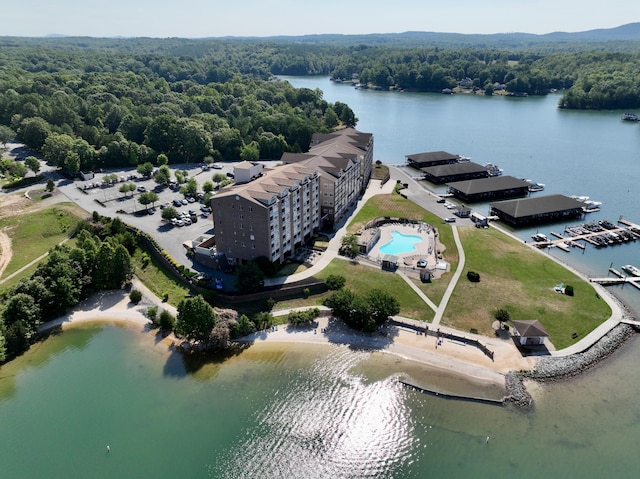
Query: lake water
{"points": [[330, 411]]}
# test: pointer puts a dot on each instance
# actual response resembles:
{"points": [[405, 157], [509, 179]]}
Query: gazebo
{"points": [[531, 332]]}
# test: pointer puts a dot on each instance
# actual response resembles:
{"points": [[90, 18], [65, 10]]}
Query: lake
{"points": [[331, 411]]}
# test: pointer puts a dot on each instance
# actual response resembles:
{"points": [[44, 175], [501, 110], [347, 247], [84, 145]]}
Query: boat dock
{"points": [[618, 278], [598, 234]]}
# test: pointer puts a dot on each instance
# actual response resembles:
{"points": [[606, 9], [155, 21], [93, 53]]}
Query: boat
{"points": [[533, 186], [630, 269], [493, 170], [591, 206], [630, 117], [579, 198], [539, 237]]}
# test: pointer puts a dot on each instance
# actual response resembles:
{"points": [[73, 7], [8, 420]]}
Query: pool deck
{"points": [[424, 250]]}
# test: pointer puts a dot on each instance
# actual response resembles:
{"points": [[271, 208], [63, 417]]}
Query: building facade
{"points": [[269, 216]]}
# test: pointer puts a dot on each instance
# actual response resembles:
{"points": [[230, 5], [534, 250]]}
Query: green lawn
{"points": [[35, 233], [156, 277], [520, 280], [361, 279]]}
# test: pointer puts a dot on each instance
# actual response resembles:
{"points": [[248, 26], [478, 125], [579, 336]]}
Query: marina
{"points": [[599, 234], [618, 278]]}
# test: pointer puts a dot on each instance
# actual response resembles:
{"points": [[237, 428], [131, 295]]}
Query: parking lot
{"points": [[109, 201]]}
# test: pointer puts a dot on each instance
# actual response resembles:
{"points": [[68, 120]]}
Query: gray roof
{"points": [[536, 206], [485, 185], [530, 329], [453, 169], [432, 156]]}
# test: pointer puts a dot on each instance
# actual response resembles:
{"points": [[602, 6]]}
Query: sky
{"points": [[218, 18]]}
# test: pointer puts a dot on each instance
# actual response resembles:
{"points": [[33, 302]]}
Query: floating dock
{"points": [[598, 234], [619, 278]]}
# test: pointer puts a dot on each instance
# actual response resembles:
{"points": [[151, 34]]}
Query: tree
{"points": [[502, 315], [32, 163], [207, 187], [163, 175], [249, 278], [349, 246], [169, 213], [162, 159], [6, 135], [381, 305], [24, 309], [50, 185], [145, 169], [56, 148], [190, 188], [147, 198], [196, 318], [166, 321], [335, 281], [135, 296], [250, 152], [71, 163], [33, 132]]}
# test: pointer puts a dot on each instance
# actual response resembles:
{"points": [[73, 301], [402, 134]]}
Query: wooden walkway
{"points": [[619, 278], [621, 234]]}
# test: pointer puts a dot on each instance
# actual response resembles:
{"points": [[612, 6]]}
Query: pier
{"points": [[598, 234], [618, 278]]}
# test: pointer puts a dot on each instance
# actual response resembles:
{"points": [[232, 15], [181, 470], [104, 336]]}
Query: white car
{"points": [[216, 166], [450, 219]]}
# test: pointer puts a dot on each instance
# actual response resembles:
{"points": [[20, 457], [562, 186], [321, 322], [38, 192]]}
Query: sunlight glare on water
{"points": [[328, 423]]}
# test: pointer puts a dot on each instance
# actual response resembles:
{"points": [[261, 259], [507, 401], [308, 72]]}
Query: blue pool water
{"points": [[400, 243]]}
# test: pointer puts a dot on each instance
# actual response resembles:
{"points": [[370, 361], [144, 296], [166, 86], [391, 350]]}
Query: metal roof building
{"points": [[483, 189], [432, 158], [468, 170], [542, 209]]}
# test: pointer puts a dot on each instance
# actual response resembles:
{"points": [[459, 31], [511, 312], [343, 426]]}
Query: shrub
{"points": [[167, 321], [165, 297], [568, 290], [135, 296], [335, 282], [473, 276], [152, 314], [306, 292], [270, 303]]}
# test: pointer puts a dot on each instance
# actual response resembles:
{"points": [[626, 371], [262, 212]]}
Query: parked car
{"points": [[177, 203], [450, 219], [219, 283], [142, 189], [216, 166], [184, 201], [422, 263], [440, 200]]}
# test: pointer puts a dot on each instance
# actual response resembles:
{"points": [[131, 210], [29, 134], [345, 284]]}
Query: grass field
{"points": [[35, 233], [156, 277], [520, 280]]}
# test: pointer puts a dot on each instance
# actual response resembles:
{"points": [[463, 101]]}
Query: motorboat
{"points": [[630, 269]]}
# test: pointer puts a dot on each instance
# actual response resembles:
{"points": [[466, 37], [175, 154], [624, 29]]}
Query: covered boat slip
{"points": [[484, 189], [441, 174], [432, 158], [542, 209]]}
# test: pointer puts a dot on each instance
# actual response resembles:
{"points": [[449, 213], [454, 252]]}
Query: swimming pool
{"points": [[400, 243]]}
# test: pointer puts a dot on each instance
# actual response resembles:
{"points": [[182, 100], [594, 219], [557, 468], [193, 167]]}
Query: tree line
{"points": [[100, 260]]}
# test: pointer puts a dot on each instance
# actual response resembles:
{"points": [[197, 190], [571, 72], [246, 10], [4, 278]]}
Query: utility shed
{"points": [[432, 158], [483, 189], [441, 174], [541, 209]]}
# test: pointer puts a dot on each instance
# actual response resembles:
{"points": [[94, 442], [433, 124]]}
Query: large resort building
{"points": [[274, 211], [268, 216]]}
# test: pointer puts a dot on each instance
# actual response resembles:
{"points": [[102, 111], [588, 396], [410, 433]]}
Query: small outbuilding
{"points": [[530, 332], [390, 262]]}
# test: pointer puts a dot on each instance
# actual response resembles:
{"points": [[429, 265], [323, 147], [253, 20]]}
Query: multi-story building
{"points": [[352, 141], [269, 216]]}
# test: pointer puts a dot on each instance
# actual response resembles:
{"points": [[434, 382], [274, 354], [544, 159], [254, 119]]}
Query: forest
{"points": [[90, 103]]}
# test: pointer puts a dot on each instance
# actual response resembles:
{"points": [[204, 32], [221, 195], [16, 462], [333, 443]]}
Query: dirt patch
{"points": [[5, 251]]}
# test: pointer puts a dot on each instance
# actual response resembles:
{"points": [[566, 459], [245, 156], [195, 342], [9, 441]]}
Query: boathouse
{"points": [[433, 158], [541, 209], [485, 189], [441, 174], [530, 333]]}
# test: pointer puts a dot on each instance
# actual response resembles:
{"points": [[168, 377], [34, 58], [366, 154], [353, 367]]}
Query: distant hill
{"points": [[624, 33]]}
